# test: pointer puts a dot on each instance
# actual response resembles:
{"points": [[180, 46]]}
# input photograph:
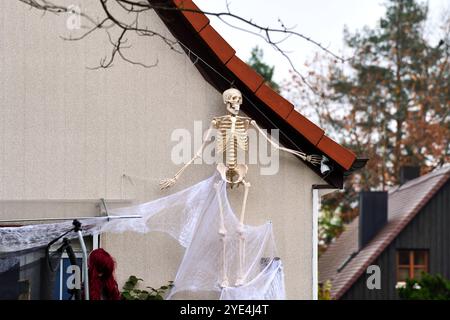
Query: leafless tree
{"points": [[113, 19]]}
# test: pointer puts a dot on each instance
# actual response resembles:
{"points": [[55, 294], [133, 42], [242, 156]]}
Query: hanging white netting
{"points": [[13, 239], [239, 263]]}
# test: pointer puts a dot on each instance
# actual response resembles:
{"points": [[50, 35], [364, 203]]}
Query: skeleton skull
{"points": [[233, 100]]}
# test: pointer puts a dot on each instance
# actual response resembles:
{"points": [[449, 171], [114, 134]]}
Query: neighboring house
{"points": [[68, 134], [404, 238]]}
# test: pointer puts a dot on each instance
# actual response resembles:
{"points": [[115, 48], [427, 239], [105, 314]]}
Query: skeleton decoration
{"points": [[232, 135]]}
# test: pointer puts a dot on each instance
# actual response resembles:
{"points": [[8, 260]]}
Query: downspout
{"points": [[315, 235], [315, 243]]}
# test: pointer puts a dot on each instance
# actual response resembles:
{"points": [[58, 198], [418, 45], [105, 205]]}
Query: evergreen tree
{"points": [[398, 91], [266, 71], [390, 103]]}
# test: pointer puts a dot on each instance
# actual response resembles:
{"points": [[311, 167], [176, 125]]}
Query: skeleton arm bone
{"points": [[167, 183], [314, 159]]}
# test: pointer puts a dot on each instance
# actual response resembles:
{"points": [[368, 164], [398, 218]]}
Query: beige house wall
{"points": [[67, 132]]}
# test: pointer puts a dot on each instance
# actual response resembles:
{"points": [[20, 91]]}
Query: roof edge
{"points": [[200, 23]]}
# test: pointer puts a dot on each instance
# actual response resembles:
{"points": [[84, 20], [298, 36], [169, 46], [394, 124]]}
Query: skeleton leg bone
{"points": [[240, 279], [222, 232]]}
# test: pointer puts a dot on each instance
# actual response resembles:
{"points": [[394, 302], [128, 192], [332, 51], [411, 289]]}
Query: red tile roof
{"points": [[197, 20], [335, 151], [245, 73], [278, 103], [215, 41], [312, 132], [341, 155], [404, 202]]}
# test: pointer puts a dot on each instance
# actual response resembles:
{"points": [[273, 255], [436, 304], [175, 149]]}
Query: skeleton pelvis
{"points": [[232, 176]]}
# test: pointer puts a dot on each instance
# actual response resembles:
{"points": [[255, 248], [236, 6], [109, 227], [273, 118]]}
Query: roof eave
{"points": [[261, 103]]}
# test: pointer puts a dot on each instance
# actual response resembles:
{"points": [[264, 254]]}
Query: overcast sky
{"points": [[322, 20]]}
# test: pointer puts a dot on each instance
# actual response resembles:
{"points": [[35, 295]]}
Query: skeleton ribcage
{"points": [[230, 138]]}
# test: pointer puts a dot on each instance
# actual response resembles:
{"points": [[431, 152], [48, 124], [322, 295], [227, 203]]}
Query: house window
{"points": [[411, 263]]}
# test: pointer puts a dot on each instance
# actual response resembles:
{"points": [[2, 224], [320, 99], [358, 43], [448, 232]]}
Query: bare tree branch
{"points": [[138, 7], [91, 30], [250, 23]]}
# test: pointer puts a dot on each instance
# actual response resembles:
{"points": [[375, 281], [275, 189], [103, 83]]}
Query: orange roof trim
{"points": [[197, 20], [215, 41], [271, 98], [252, 79], [254, 82], [312, 132], [335, 150]]}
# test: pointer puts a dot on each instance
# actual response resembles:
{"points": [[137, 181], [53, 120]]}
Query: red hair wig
{"points": [[102, 284]]}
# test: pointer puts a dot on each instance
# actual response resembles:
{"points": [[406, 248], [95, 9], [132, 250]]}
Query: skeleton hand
{"points": [[314, 159], [167, 183]]}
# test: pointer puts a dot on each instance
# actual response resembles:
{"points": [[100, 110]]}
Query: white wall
{"points": [[67, 132]]}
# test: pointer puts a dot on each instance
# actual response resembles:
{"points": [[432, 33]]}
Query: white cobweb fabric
{"points": [[192, 216], [13, 239]]}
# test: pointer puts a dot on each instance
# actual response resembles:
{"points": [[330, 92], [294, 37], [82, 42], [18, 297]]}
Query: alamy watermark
{"points": [[73, 21], [74, 280], [374, 279], [259, 151]]}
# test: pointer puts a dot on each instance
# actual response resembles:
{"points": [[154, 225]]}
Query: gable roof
{"points": [[262, 103], [404, 202]]}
